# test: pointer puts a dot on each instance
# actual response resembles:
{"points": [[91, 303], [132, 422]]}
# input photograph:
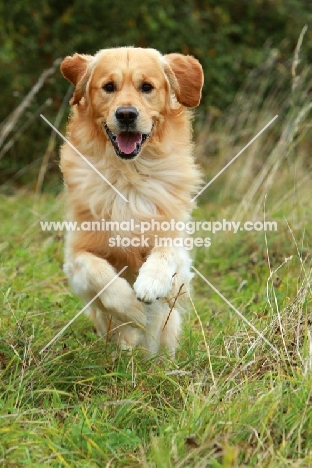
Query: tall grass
{"points": [[280, 152]]}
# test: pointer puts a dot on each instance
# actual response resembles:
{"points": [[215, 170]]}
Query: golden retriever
{"points": [[131, 121]]}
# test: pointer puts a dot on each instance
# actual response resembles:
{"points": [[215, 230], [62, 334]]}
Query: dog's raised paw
{"points": [[149, 288]]}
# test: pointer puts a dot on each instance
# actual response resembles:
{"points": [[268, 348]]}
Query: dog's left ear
{"points": [[76, 69], [186, 78]]}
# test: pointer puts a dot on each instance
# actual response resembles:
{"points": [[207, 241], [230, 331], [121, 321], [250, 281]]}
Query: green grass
{"points": [[227, 401]]}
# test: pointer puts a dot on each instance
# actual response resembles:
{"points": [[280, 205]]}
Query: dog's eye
{"points": [[146, 87], [109, 87]]}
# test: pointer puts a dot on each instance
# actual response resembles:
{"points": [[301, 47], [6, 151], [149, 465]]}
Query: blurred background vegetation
{"points": [[231, 39]]}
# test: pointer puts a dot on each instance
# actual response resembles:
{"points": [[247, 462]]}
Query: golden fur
{"points": [[158, 184]]}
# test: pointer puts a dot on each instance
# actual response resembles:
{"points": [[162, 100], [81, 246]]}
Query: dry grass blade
{"points": [[8, 145], [52, 141], [12, 120], [296, 60]]}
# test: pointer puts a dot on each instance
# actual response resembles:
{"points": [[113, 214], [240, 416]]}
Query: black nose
{"points": [[126, 115]]}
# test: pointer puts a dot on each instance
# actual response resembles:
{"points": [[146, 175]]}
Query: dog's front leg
{"points": [[163, 273], [88, 275]]}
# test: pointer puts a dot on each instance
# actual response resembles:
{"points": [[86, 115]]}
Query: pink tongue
{"points": [[127, 141]]}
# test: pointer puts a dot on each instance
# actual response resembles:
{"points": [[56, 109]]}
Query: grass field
{"points": [[227, 400], [238, 394]]}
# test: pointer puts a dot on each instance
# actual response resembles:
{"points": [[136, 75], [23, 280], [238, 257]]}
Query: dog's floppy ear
{"points": [[76, 69], [186, 78]]}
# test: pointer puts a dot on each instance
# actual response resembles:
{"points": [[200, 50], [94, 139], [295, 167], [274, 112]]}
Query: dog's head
{"points": [[127, 91]]}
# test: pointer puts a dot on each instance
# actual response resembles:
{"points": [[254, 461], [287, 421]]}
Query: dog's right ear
{"points": [[77, 70]]}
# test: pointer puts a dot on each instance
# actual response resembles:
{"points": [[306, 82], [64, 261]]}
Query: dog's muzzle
{"points": [[128, 143]]}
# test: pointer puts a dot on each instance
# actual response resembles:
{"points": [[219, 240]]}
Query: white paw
{"points": [[150, 286]]}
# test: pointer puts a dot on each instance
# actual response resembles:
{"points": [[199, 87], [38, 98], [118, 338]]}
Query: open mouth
{"points": [[127, 145]]}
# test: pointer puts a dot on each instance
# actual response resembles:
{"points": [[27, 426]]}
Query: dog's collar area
{"points": [[127, 145]]}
